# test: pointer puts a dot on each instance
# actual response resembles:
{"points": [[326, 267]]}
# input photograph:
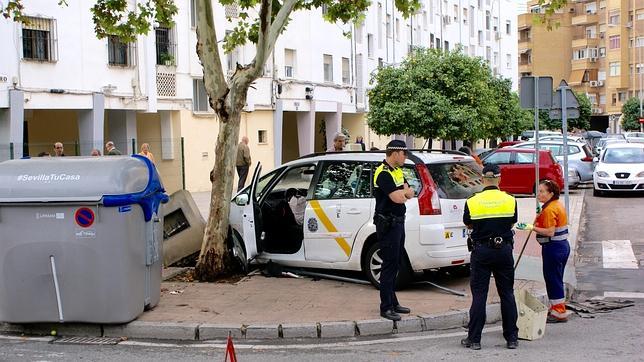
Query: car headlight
{"points": [[641, 174], [602, 174], [572, 173]]}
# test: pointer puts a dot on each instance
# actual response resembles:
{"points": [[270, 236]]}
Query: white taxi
{"points": [[317, 212]]}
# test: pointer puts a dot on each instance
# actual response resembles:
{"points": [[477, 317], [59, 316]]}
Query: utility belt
{"points": [[496, 242], [385, 222]]}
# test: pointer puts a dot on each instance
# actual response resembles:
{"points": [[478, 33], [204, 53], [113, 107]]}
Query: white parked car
{"points": [[560, 139], [620, 168], [317, 212], [605, 141], [634, 137]]}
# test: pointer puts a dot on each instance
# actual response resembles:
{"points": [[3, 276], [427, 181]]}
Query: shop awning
{"points": [[576, 77]]}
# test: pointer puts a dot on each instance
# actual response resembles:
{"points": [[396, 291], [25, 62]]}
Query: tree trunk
{"points": [[214, 259]]}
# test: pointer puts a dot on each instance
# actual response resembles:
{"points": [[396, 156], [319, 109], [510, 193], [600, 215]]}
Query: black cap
{"points": [[397, 145], [491, 171]]}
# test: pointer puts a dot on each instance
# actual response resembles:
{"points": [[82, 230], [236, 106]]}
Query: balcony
{"points": [[525, 21], [586, 63], [525, 67], [585, 42], [585, 19]]}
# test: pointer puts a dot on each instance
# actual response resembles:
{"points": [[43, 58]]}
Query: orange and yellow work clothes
{"points": [[554, 253]]}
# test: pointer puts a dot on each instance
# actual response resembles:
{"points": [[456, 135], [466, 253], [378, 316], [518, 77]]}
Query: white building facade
{"points": [[58, 82]]}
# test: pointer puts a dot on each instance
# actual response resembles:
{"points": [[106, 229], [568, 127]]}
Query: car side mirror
{"points": [[241, 200]]}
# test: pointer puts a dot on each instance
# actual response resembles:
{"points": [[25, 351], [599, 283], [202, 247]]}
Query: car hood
{"points": [[611, 168]]}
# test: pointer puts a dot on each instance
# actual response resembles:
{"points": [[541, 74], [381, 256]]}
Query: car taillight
{"points": [[428, 201]]}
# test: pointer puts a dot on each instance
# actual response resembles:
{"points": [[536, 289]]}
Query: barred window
{"points": [[166, 47], [120, 53], [39, 40]]}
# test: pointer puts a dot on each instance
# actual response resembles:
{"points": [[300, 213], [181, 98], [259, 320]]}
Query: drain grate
{"points": [[87, 340]]}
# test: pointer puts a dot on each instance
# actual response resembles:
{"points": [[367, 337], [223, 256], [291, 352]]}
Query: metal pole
{"points": [[536, 138], [183, 166], [11, 151], [133, 146], [564, 121]]}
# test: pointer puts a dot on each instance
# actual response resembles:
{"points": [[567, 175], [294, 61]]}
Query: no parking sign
{"points": [[84, 217]]}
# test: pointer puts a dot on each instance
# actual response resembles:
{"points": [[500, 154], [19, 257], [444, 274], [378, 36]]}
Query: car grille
{"points": [[622, 175], [622, 187]]}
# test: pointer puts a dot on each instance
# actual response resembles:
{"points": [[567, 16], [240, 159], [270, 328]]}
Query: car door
{"points": [[502, 159], [251, 219], [523, 170], [339, 207]]}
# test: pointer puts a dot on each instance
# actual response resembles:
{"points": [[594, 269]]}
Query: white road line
{"points": [[618, 254], [631, 295], [32, 339]]}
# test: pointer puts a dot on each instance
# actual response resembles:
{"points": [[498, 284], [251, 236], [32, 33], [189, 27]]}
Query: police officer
{"points": [[391, 191], [491, 214]]}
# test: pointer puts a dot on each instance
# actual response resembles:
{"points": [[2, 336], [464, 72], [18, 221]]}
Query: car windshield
{"points": [[616, 136], [624, 155], [456, 180]]}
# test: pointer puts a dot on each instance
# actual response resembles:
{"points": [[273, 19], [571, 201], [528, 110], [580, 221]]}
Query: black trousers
{"points": [[392, 246], [242, 172], [486, 260]]}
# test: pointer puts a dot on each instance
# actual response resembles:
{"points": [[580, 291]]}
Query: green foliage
{"points": [[116, 17], [448, 95], [631, 114], [585, 112]]}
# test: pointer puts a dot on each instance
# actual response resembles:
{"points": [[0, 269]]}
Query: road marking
{"points": [[618, 254], [632, 295], [22, 338]]}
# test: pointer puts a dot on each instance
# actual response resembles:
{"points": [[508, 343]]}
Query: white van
{"points": [[317, 212]]}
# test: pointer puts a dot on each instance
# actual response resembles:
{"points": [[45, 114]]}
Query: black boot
{"points": [[391, 315], [400, 309], [469, 344]]}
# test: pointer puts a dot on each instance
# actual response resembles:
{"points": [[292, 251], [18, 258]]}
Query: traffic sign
{"points": [[572, 113], [84, 217], [527, 92]]}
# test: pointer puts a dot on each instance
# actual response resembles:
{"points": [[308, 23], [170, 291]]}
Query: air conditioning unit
{"points": [[593, 83], [600, 83], [629, 24], [593, 59], [596, 110]]}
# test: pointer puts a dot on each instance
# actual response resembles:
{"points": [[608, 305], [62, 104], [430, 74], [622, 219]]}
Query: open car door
{"points": [[252, 219]]}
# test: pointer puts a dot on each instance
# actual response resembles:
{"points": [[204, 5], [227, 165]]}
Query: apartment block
{"points": [[596, 46]]}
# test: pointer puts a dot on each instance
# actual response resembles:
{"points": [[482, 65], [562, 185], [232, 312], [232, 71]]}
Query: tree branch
{"points": [[208, 51], [278, 23], [262, 46]]}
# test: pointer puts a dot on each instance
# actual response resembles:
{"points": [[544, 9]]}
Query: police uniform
{"points": [[491, 214], [389, 219]]}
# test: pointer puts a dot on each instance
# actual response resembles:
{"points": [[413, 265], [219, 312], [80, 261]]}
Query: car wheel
{"points": [[372, 267]]}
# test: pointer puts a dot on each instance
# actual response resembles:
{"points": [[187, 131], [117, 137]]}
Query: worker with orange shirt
{"points": [[551, 227]]}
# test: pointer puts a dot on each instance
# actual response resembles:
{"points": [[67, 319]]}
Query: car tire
{"points": [[372, 263]]}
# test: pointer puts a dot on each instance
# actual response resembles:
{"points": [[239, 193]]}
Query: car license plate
{"points": [[622, 182]]}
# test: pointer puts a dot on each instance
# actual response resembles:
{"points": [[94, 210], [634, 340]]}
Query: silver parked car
{"points": [[605, 141], [580, 158]]}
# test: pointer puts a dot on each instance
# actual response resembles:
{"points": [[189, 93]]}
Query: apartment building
{"points": [[597, 48], [58, 82]]}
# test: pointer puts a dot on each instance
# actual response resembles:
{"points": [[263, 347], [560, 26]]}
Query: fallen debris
{"points": [[587, 308]]}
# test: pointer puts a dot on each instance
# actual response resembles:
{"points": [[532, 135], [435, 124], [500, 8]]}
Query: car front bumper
{"points": [[615, 184]]}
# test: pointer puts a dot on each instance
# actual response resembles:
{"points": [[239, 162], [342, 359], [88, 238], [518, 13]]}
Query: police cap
{"points": [[397, 145]]}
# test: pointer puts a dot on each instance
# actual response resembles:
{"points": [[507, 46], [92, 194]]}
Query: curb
{"points": [[205, 332]]}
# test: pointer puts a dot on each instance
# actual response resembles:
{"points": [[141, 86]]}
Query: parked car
{"points": [[620, 168], [560, 139], [484, 152], [529, 135], [604, 141], [509, 143], [634, 137], [317, 212], [580, 159], [617, 136], [517, 169]]}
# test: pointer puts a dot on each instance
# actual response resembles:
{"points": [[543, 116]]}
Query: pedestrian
{"points": [[551, 227], [111, 149], [491, 214], [58, 149], [95, 152], [468, 151], [360, 141], [338, 143], [391, 191], [243, 162], [145, 151]]}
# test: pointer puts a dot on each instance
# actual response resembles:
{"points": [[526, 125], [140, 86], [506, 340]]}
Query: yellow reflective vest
{"points": [[396, 174], [491, 204]]}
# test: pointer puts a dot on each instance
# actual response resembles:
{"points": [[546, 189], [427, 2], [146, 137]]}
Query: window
{"points": [[495, 60], [621, 96], [120, 53], [262, 137], [602, 99], [602, 4], [456, 180], [425, 26], [296, 178], [397, 29], [613, 17], [166, 48], [346, 71], [431, 41], [613, 42], [412, 178], [380, 63], [199, 97], [508, 61], [524, 158], [498, 158], [488, 21], [193, 13], [495, 24], [639, 15], [465, 16], [601, 75], [472, 21], [328, 68], [602, 52], [480, 37], [455, 13], [388, 26], [614, 69], [289, 63], [39, 39], [370, 45], [638, 42], [613, 100], [344, 180]]}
